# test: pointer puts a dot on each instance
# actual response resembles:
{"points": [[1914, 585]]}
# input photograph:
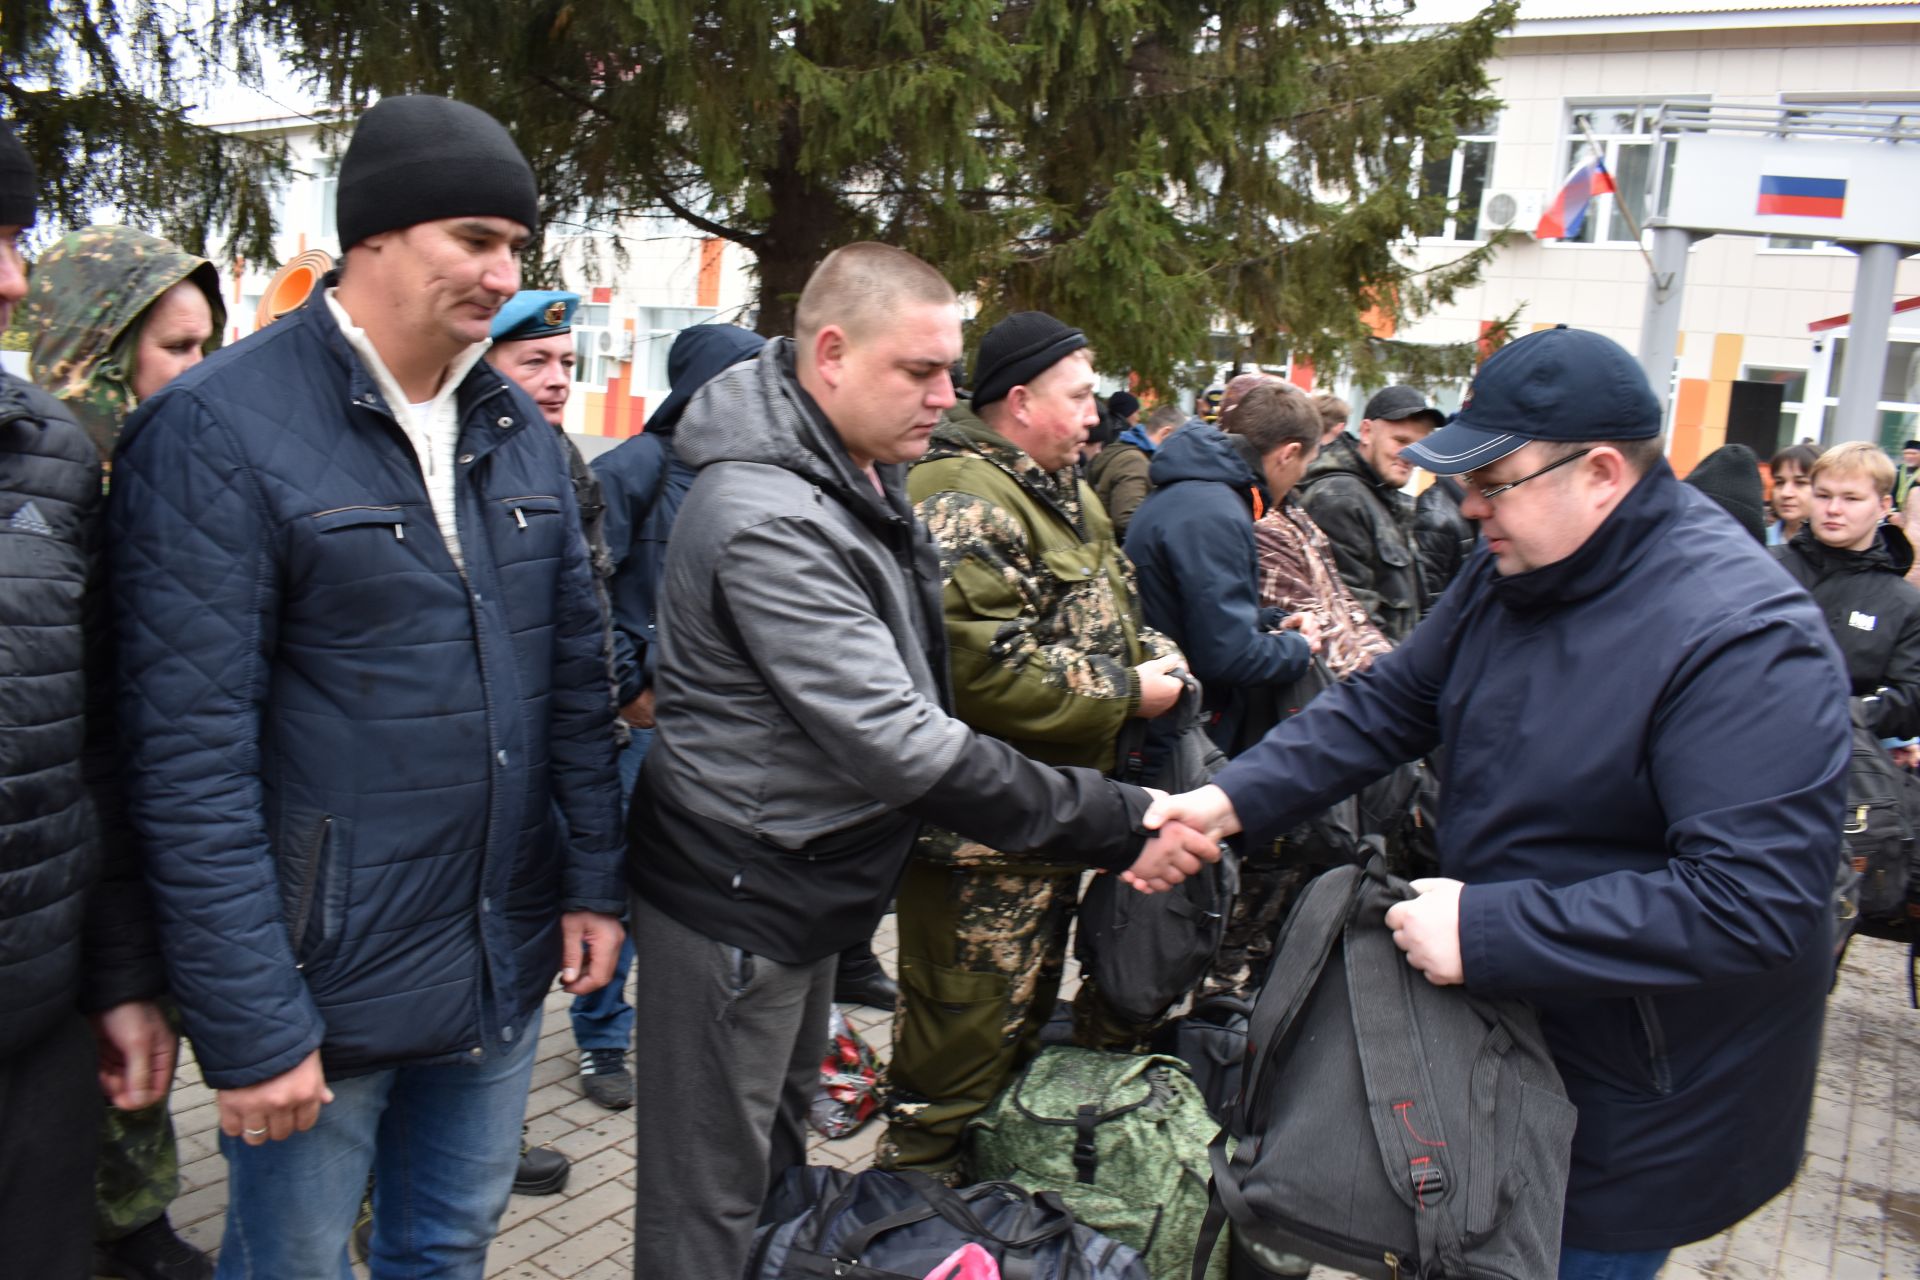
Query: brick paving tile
{"points": [[1853, 1214]]}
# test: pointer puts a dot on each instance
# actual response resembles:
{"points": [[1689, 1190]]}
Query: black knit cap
{"points": [[417, 158], [1018, 350], [1730, 475], [1123, 404], [19, 183]]}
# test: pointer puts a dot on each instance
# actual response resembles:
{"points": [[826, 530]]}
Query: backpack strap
{"points": [[1307, 940], [1221, 1185], [1401, 1100]]}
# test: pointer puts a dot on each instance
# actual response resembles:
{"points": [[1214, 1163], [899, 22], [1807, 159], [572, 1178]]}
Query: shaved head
{"points": [[860, 287]]}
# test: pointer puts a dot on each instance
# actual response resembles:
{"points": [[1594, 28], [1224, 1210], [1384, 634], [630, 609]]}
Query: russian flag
{"points": [[1564, 216], [1803, 197]]}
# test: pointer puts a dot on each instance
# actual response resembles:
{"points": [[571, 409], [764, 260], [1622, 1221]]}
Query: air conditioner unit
{"points": [[615, 343], [1512, 211]]}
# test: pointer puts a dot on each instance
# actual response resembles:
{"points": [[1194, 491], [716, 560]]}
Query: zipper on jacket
{"points": [[303, 905], [1657, 1062]]}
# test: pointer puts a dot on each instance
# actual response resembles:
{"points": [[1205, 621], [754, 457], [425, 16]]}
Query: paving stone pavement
{"points": [[1853, 1213]]}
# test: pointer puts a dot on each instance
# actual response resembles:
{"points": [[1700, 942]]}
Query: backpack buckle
{"points": [[1086, 1158], [1429, 1182]]}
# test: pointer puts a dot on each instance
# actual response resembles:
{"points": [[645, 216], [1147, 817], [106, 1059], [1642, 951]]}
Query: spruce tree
{"points": [[1149, 172], [100, 92]]}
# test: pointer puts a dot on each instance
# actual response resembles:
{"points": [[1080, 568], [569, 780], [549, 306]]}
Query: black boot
{"points": [[861, 980], [542, 1172], [153, 1252]]}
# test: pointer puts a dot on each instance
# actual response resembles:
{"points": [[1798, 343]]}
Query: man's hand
{"points": [[278, 1108], [1307, 625], [137, 1050], [639, 712], [1175, 852], [1205, 809], [601, 937], [1427, 928], [1159, 689]]}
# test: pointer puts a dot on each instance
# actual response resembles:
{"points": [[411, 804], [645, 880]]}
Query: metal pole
{"points": [[1660, 321], [1866, 366]]}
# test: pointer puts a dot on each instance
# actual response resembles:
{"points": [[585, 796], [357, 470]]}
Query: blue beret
{"points": [[535, 313]]}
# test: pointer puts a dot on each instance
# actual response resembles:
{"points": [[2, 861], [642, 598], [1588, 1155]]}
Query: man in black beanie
{"points": [[1048, 653], [76, 925], [371, 750]]}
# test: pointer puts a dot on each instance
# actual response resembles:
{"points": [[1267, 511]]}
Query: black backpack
{"points": [[1211, 1038], [1145, 952], [1387, 1126], [1877, 887]]}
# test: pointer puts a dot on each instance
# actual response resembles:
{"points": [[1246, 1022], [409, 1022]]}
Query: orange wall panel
{"points": [[708, 289]]}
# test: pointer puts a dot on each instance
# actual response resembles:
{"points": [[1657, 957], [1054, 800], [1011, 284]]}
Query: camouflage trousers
{"points": [[1268, 889], [139, 1171], [981, 954]]}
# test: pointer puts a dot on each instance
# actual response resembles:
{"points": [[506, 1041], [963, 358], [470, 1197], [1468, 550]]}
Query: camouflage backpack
{"points": [[1122, 1138]]}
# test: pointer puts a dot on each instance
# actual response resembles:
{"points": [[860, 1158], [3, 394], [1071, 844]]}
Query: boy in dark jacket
{"points": [[76, 926], [1666, 907], [1855, 566]]}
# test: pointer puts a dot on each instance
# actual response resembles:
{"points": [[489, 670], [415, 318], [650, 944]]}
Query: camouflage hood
{"points": [[963, 434], [85, 302]]}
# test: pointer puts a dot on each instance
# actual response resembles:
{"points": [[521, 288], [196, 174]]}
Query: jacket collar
{"points": [[1628, 533], [479, 381], [963, 434], [1879, 557]]}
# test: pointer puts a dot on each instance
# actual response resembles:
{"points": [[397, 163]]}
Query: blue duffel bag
{"points": [[872, 1225]]}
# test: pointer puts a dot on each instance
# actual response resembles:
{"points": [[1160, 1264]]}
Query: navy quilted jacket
{"points": [[367, 782]]}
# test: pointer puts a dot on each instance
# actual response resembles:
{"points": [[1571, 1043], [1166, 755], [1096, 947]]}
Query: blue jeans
{"points": [[1591, 1264], [444, 1142], [604, 1019]]}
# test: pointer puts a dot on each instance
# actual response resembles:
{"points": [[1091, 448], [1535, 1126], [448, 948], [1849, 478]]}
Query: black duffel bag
{"points": [[1145, 952], [872, 1225]]}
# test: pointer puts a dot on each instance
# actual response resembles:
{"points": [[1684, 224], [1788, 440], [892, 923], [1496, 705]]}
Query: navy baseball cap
{"points": [[1557, 384]]}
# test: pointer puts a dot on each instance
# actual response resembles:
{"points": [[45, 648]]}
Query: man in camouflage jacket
{"points": [[1047, 652]]}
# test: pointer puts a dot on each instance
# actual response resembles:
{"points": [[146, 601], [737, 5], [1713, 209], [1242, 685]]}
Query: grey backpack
{"points": [[1387, 1126]]}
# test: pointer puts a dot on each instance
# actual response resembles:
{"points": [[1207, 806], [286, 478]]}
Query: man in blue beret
{"points": [[533, 345]]}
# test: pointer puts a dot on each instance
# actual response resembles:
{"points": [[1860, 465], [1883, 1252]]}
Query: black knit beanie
{"points": [[418, 158], [1730, 475], [1018, 350], [1124, 404], [19, 184]]}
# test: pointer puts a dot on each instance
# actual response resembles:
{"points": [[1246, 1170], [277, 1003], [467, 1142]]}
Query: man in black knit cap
{"points": [[370, 731], [76, 927]]}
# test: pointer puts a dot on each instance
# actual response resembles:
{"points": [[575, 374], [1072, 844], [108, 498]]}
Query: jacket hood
{"points": [[699, 355], [85, 305], [758, 412], [1200, 453], [1889, 553], [1342, 456], [1136, 435]]}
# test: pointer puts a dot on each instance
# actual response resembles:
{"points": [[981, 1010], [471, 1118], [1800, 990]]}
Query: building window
{"points": [[1793, 384], [1899, 400], [326, 191], [1623, 131], [653, 338], [1459, 174]]}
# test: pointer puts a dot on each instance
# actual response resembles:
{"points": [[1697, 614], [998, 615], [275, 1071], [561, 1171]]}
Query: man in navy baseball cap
{"points": [[1539, 406]]}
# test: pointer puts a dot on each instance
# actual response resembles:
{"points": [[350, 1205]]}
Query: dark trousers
{"points": [[49, 1140], [744, 1036]]}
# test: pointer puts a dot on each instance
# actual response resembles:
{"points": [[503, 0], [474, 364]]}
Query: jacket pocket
{"points": [[313, 873], [1659, 1067], [1087, 563], [528, 510], [392, 518], [986, 592]]}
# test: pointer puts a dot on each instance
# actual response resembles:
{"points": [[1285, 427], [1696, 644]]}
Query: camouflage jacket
{"points": [[86, 301], [1298, 574], [1042, 614]]}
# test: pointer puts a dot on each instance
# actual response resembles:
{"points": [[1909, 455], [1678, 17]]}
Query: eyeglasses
{"points": [[1488, 495]]}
